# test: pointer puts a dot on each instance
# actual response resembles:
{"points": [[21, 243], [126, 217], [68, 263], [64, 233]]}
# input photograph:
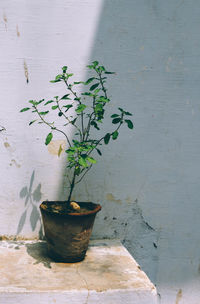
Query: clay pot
{"points": [[68, 235]]}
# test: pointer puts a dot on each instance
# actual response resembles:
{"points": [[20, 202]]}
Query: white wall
{"points": [[147, 181]]}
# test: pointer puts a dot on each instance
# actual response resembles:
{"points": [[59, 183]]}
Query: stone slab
{"points": [[109, 274]]}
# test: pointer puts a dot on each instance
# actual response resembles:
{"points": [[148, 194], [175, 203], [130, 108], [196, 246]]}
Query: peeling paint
{"points": [[26, 71], [17, 30], [55, 145], [179, 296], [5, 20]]}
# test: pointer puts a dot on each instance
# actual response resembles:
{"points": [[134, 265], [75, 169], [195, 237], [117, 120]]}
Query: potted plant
{"points": [[68, 224]]}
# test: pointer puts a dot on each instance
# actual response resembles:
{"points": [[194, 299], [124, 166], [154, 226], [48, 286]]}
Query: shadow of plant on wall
{"points": [[31, 198]]}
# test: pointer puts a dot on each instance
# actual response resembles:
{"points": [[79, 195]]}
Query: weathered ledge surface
{"points": [[108, 274]]}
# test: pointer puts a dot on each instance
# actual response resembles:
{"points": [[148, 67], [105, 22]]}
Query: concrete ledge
{"points": [[107, 275]]}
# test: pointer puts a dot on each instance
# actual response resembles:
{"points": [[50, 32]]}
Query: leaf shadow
{"points": [[31, 197]]}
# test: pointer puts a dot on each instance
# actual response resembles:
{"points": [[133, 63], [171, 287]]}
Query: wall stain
{"points": [[6, 145], [128, 200], [16, 238], [5, 21], [26, 71], [110, 197], [17, 30], [179, 296], [57, 147], [13, 161]]}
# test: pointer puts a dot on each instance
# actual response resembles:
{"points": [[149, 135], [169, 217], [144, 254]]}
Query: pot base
{"points": [[70, 259]]}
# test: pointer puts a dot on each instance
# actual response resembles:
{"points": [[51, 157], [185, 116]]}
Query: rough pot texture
{"points": [[68, 234]]}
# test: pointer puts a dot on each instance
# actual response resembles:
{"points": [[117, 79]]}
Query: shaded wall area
{"points": [[150, 178]]}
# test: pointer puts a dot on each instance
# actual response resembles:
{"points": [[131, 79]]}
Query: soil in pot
{"points": [[68, 231]]}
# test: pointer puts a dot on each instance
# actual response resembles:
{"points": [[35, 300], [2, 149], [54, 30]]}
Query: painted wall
{"points": [[147, 181]]}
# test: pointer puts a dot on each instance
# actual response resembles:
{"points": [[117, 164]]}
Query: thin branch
{"points": [[53, 128], [90, 118], [102, 85], [77, 99], [69, 121], [83, 175]]}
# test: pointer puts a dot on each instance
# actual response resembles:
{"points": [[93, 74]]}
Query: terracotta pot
{"points": [[68, 234]]}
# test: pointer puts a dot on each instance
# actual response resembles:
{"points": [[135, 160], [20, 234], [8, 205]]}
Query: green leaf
{"points": [[44, 113], [77, 98], [87, 94], [58, 77], [65, 97], [89, 80], [102, 68], [95, 63], [107, 138], [68, 106], [121, 110], [64, 68], [53, 81], [114, 115], [90, 66], [97, 91], [116, 120], [30, 123], [94, 86], [103, 99], [115, 135], [54, 107], [82, 162], [49, 101], [91, 160], [60, 114], [80, 108], [70, 75], [79, 82], [24, 109], [128, 113], [129, 123], [33, 102], [93, 123], [98, 151], [48, 138], [109, 72]]}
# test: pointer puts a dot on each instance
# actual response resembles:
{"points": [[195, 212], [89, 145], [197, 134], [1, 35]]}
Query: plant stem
{"points": [[71, 187]]}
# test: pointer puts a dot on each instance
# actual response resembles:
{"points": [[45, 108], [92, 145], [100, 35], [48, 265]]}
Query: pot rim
{"points": [[95, 210]]}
